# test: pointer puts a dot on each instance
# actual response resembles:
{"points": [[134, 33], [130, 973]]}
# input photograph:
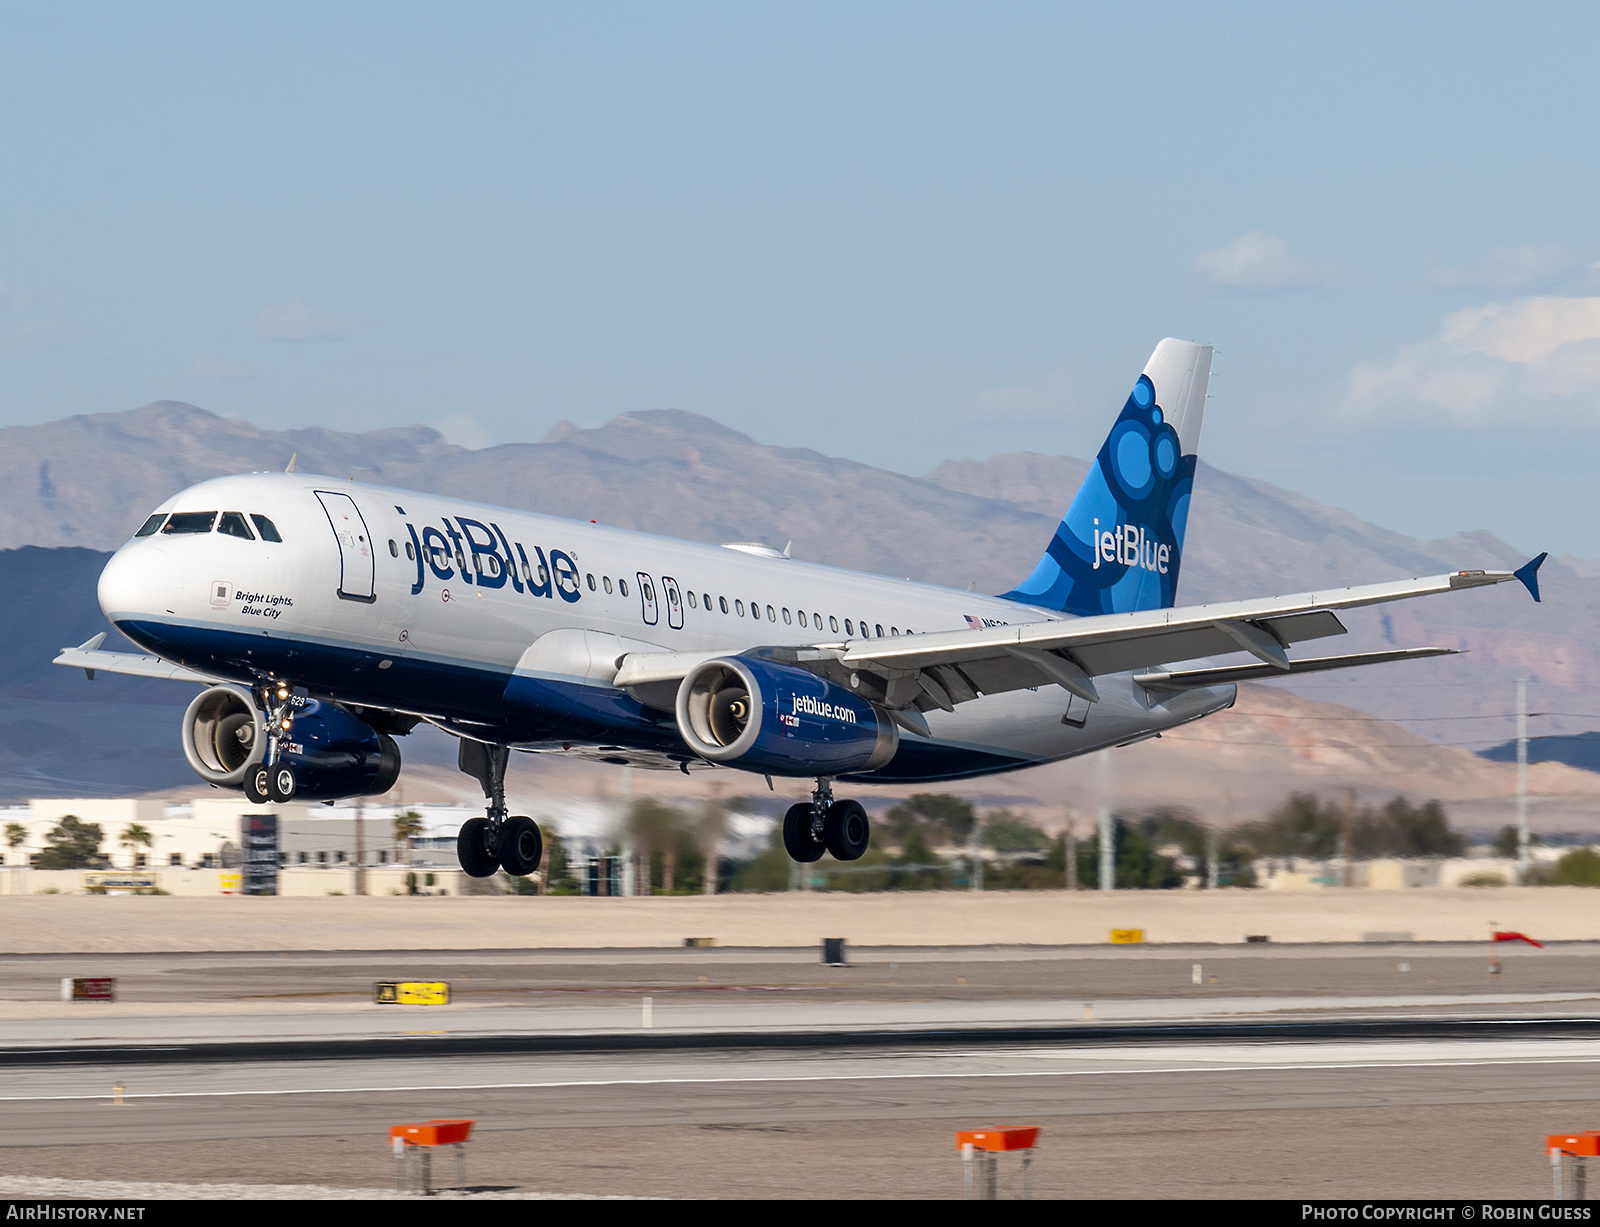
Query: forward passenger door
{"points": [[357, 568]]}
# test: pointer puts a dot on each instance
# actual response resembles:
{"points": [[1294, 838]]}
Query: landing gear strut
{"points": [[272, 779], [825, 825], [495, 842]]}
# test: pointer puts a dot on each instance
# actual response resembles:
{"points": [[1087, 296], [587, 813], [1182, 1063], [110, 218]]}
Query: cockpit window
{"points": [[233, 524], [190, 522], [267, 529], [149, 527]]}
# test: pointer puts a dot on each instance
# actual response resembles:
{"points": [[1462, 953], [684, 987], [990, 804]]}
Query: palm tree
{"points": [[133, 836], [656, 827], [16, 835], [407, 827]]}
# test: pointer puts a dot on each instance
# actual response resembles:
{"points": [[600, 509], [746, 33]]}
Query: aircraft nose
{"points": [[141, 579]]}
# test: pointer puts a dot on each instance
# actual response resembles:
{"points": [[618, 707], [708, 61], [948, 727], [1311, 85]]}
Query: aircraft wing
{"points": [[943, 668], [91, 660], [1070, 653]]}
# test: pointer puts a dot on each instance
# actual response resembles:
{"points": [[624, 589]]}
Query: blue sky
{"points": [[899, 233]]}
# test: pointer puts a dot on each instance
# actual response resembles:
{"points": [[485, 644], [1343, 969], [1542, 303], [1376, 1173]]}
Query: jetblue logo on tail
{"points": [[1119, 547], [1129, 546]]}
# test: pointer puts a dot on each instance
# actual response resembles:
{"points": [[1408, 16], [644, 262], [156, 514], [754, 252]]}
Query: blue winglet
{"points": [[1528, 573]]}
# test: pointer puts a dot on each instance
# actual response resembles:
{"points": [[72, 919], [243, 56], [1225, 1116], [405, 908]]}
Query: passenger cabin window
{"points": [[606, 580], [149, 527], [692, 604], [233, 524], [833, 623], [786, 620], [267, 529], [722, 602], [878, 629], [771, 617], [622, 584], [411, 554], [394, 549], [799, 613], [849, 628], [738, 608], [190, 522], [590, 578]]}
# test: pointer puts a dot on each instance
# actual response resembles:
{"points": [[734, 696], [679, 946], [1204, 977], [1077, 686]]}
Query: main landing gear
{"points": [[496, 842], [825, 825], [272, 779]]}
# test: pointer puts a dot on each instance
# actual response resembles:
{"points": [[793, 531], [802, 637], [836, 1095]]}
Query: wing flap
{"points": [[1188, 679]]}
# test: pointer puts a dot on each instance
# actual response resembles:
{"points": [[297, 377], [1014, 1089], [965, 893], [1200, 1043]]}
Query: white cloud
{"points": [[224, 369], [1262, 263], [1521, 270], [1491, 365], [294, 321], [463, 430]]}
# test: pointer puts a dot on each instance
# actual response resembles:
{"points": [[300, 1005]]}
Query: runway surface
{"points": [[1389, 1113], [57, 1105]]}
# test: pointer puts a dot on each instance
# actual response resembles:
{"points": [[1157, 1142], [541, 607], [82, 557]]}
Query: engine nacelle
{"points": [[334, 755], [760, 716]]}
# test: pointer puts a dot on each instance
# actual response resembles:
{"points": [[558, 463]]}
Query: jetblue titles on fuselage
{"points": [[444, 554]]}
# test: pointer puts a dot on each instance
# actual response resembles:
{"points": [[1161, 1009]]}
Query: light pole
{"points": [[1524, 852], [1108, 834]]}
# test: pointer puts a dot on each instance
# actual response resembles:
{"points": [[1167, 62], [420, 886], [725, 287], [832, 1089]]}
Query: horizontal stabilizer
{"points": [[1189, 679]]}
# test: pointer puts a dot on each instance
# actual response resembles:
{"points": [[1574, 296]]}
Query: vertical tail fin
{"points": [[1120, 545]]}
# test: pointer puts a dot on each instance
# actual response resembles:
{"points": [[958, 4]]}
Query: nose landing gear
{"points": [[497, 841], [825, 825], [271, 779]]}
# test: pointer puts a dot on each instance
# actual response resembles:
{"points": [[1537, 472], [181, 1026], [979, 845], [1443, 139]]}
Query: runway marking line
{"points": [[600, 1082]]}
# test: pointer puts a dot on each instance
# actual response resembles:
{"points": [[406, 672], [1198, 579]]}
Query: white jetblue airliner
{"points": [[326, 618]]}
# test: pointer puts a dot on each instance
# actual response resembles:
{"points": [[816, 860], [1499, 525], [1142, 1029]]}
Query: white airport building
{"points": [[199, 846], [196, 846]]}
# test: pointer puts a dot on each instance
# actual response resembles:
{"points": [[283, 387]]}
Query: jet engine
{"points": [[760, 716], [334, 755]]}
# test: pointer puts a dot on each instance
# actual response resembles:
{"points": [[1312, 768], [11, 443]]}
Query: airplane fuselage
{"points": [[508, 626]]}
